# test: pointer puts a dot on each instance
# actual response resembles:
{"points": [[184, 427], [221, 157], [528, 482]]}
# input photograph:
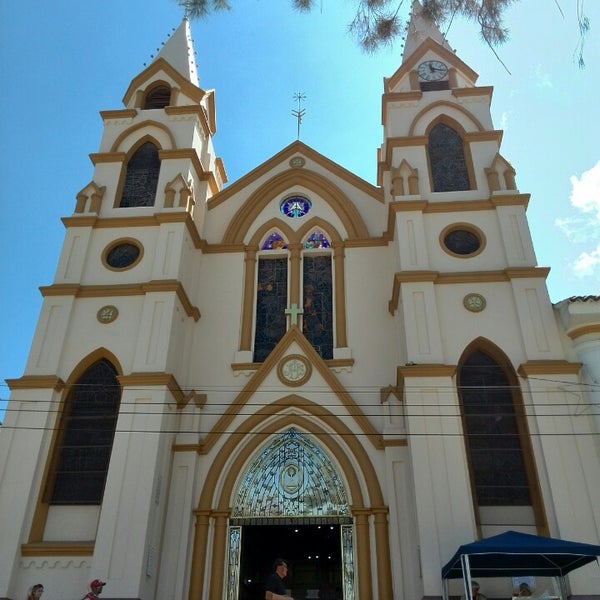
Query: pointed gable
{"points": [[424, 41]]}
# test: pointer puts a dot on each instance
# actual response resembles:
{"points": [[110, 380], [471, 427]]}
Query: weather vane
{"points": [[299, 96]]}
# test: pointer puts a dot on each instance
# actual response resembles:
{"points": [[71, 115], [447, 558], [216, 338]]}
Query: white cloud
{"points": [[585, 193], [585, 226], [587, 263]]}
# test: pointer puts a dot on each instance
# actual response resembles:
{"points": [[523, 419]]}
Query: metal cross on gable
{"points": [[293, 311], [299, 96]]}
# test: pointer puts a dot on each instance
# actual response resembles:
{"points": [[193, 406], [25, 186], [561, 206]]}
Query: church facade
{"points": [[357, 378]]}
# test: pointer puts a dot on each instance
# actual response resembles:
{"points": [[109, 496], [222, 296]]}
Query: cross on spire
{"points": [[293, 311], [299, 113]]}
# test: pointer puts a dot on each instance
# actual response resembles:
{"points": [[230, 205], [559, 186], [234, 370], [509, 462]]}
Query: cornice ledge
{"points": [[79, 221], [107, 157], [58, 549], [548, 367], [484, 90], [408, 205], [173, 285], [426, 370], [411, 96], [156, 379], [515, 199], [123, 113], [581, 330], [36, 382], [524, 272]]}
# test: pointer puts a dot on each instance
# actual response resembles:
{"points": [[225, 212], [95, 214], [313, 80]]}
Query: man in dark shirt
{"points": [[274, 588]]}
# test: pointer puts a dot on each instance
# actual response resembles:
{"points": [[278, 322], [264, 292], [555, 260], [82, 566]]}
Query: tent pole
{"points": [[466, 570]]}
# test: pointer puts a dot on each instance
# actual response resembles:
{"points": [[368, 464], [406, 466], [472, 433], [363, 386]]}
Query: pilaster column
{"points": [[363, 554], [382, 545], [248, 302], [199, 554], [340, 295], [218, 554]]}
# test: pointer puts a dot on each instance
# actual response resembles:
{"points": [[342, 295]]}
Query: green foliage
{"points": [[380, 22]]}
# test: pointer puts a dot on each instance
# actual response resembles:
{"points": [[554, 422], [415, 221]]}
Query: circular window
{"points": [[462, 240], [295, 207], [122, 255]]}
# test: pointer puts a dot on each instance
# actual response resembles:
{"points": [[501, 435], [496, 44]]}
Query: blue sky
{"points": [[64, 61]]}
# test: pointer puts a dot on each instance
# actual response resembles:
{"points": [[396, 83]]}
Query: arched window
{"points": [[497, 442], [313, 272], [141, 177], [271, 296], [317, 294], [157, 97], [447, 160], [88, 428]]}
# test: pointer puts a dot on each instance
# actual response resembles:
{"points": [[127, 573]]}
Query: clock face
{"points": [[107, 314], [474, 302], [432, 70]]}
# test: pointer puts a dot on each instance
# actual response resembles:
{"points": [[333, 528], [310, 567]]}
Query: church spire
{"points": [[178, 51], [420, 27]]}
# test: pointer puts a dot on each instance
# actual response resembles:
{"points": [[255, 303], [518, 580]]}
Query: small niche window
{"points": [[122, 255], [157, 97]]}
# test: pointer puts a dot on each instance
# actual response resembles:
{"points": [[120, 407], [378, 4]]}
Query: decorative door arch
{"points": [[291, 479]]}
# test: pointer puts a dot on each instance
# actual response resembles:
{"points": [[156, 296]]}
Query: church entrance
{"points": [[313, 553], [291, 503]]}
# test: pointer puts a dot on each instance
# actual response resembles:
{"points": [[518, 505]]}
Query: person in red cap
{"points": [[96, 587]]}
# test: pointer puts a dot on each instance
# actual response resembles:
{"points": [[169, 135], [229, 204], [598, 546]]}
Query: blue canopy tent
{"points": [[514, 554]]}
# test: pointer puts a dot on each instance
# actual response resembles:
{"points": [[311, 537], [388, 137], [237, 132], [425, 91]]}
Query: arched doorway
{"points": [[292, 504]]}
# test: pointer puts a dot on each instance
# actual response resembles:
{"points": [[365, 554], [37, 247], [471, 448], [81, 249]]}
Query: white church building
{"points": [[357, 378]]}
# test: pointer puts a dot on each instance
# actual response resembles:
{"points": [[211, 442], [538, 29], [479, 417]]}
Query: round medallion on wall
{"points": [[474, 302], [294, 370], [297, 162], [107, 314]]}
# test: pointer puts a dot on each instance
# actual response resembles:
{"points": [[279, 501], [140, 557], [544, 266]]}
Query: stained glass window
{"points": [[291, 477], [317, 320], [271, 303], [462, 241], [123, 255], [141, 178], [317, 239], [447, 160], [492, 438], [274, 242], [295, 207], [89, 429]]}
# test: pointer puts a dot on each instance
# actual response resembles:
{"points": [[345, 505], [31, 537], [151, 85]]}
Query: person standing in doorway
{"points": [[274, 588]]}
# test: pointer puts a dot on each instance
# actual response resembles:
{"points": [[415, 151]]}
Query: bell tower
{"points": [[121, 309]]}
